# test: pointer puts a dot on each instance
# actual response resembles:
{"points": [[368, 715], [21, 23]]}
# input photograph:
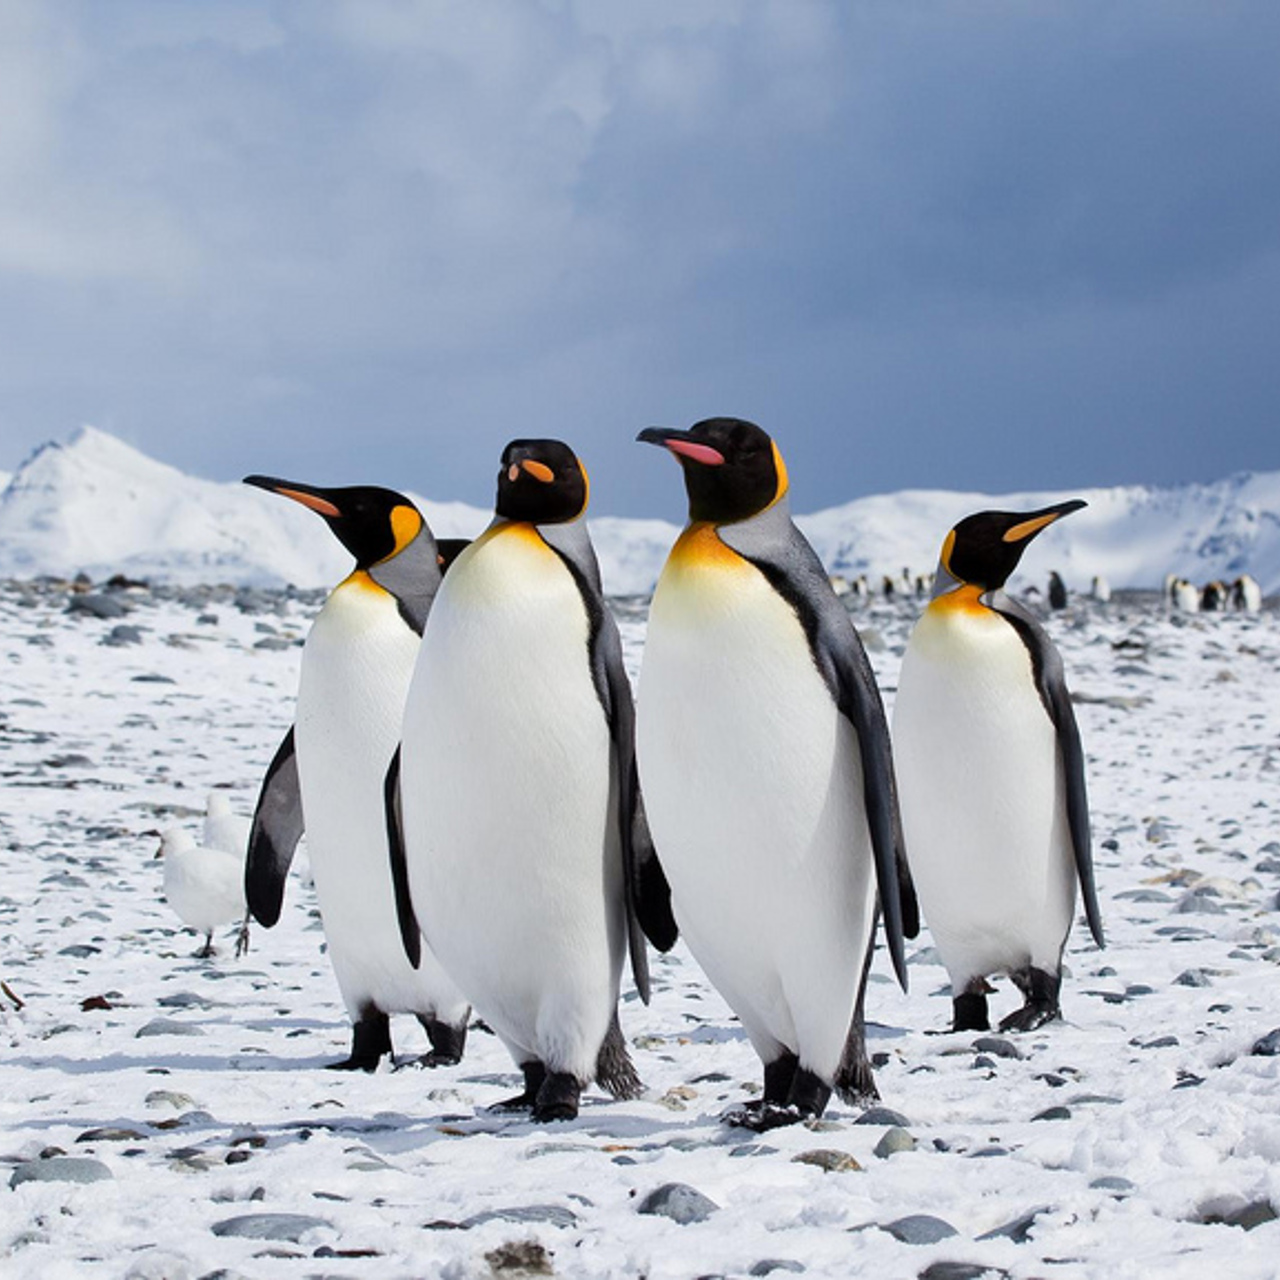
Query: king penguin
{"points": [[765, 761], [328, 775], [522, 841], [991, 776]]}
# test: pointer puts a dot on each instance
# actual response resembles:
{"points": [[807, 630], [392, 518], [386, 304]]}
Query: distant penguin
{"points": [[1183, 596], [328, 775], [1057, 591], [223, 827], [765, 761], [522, 842], [1100, 589], [991, 776], [1213, 597], [204, 886], [1246, 594]]}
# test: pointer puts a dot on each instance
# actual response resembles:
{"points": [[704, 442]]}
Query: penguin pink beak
{"points": [[678, 443]]}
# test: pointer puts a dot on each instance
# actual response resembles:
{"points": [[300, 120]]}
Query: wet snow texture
{"points": [[163, 1116]]}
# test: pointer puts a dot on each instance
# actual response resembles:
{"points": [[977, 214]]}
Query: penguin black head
{"points": [[373, 524], [984, 549], [732, 469], [541, 482]]}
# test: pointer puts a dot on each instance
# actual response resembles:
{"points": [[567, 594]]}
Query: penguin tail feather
{"points": [[615, 1072]]}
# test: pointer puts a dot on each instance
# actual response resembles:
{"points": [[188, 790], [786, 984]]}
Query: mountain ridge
{"points": [[97, 505]]}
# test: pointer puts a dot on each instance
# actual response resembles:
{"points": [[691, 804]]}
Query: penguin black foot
{"points": [[1041, 990], [760, 1116], [535, 1074], [778, 1076], [969, 1012], [370, 1040], [557, 1097], [208, 950], [242, 937], [447, 1043], [809, 1094]]}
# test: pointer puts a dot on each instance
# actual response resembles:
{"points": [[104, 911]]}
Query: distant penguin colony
{"points": [[327, 778], [492, 823]]}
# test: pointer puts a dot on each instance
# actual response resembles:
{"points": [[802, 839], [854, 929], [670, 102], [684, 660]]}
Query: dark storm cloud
{"points": [[976, 245]]}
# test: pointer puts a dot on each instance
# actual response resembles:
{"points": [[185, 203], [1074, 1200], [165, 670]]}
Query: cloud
{"points": [[392, 233]]}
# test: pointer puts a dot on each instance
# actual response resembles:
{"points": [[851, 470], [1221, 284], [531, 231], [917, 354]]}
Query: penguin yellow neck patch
{"points": [[406, 524], [780, 467], [699, 546], [964, 599]]}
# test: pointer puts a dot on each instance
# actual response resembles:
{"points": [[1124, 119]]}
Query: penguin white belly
{"points": [[753, 789], [982, 790], [513, 860], [356, 668]]}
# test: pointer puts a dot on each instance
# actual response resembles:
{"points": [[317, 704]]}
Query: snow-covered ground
{"points": [[1110, 1145]]}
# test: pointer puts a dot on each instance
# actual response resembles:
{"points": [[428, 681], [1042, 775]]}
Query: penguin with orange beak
{"points": [[327, 777], [991, 776]]}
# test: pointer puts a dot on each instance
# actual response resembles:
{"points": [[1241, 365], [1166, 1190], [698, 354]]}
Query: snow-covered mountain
{"points": [[97, 505]]}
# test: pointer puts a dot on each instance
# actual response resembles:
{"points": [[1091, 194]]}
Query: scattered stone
{"points": [[107, 1134], [122, 635], [168, 1027], [1193, 978], [169, 1098], [828, 1160], [81, 1169], [152, 677], [1144, 895], [1268, 1046], [883, 1115], [97, 606], [960, 1271], [554, 1214], [679, 1202], [767, 1266], [1251, 1215], [1200, 902], [80, 951], [988, 1153], [520, 1257], [747, 1149], [1019, 1230], [1053, 1113], [893, 1141], [997, 1046], [1114, 1183], [270, 1226], [919, 1228]]}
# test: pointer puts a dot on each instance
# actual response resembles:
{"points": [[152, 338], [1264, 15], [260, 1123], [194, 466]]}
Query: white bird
{"points": [[205, 887], [224, 828]]}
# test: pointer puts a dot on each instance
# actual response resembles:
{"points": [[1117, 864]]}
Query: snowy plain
{"points": [[1121, 1142]]}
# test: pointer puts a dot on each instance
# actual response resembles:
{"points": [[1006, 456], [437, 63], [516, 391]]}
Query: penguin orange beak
{"points": [[531, 467], [308, 495], [1042, 519], [679, 443]]}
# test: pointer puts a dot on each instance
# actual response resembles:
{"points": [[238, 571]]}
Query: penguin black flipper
{"points": [[406, 917], [773, 544], [648, 895], [273, 837], [1051, 682]]}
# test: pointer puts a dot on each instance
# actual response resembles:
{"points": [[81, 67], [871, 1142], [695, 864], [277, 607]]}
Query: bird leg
{"points": [[535, 1073], [1041, 991], [370, 1040]]}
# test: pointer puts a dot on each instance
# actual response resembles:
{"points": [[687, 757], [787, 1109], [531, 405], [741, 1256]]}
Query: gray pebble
{"points": [[893, 1141], [919, 1228], [1144, 895], [269, 1226], [1197, 903], [883, 1115], [960, 1271], [1252, 1215], [766, 1266], [123, 634], [61, 1169], [97, 606], [1193, 978], [1114, 1183], [998, 1046], [752, 1149], [1053, 1113], [679, 1202], [107, 1134], [80, 951], [168, 1027], [1268, 1046], [554, 1214]]}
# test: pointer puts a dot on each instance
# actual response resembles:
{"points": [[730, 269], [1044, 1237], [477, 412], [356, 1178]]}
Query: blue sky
{"points": [[968, 245]]}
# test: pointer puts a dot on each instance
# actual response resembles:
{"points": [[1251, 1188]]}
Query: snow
{"points": [[96, 505], [221, 1109]]}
